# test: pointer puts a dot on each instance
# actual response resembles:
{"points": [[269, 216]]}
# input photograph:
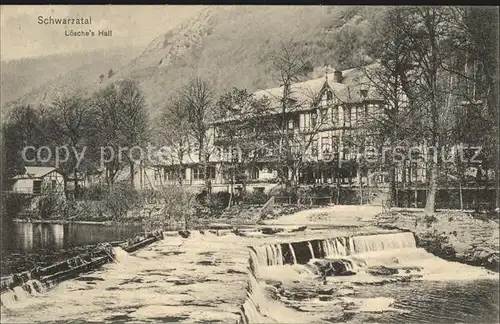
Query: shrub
{"points": [[121, 198], [13, 204], [94, 192], [48, 206], [220, 199], [255, 198], [179, 209], [429, 220]]}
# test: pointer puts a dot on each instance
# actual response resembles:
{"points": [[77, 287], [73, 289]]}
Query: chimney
{"points": [[337, 76]]}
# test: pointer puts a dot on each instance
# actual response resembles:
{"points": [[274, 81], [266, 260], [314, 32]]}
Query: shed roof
{"points": [[35, 172]]}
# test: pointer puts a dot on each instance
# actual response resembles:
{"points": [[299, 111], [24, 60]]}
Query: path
{"points": [[352, 215]]}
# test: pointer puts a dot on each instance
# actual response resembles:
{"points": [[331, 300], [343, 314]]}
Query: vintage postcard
{"points": [[249, 164]]}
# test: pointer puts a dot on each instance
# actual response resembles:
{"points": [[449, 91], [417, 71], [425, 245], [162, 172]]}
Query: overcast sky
{"points": [[21, 35]]}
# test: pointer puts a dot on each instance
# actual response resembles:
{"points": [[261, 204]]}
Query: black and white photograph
{"points": [[249, 164]]}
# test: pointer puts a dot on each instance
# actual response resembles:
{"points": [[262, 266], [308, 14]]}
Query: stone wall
{"points": [[455, 236]]}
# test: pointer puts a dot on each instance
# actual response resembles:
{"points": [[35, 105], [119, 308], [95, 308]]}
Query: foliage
{"points": [[96, 192], [12, 204], [217, 200], [120, 120], [121, 198], [178, 208], [255, 198], [49, 205]]}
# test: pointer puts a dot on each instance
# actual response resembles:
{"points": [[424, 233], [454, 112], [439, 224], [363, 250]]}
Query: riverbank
{"points": [[453, 236], [64, 221], [19, 262]]}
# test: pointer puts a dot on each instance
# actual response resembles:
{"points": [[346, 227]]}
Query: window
{"points": [[347, 116], [290, 123], [314, 147], [37, 187], [53, 184], [211, 172], [329, 96], [235, 155], [325, 145], [335, 144], [324, 115], [307, 121], [314, 118], [198, 173], [254, 174], [335, 114]]}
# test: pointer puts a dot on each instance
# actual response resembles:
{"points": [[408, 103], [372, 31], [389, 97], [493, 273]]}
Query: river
{"points": [[207, 278], [27, 237]]}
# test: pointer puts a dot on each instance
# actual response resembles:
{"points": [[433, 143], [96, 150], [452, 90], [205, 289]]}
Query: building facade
{"points": [[39, 180], [317, 132]]}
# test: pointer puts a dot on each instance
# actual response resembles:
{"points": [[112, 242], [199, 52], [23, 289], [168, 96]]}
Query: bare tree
{"points": [[198, 99], [69, 125], [240, 131], [431, 29], [391, 79], [291, 67], [172, 129], [107, 110], [23, 127], [134, 120]]}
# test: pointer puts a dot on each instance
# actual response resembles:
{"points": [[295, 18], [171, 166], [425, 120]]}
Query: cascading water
{"points": [[303, 252], [366, 259], [30, 288], [309, 245], [372, 243], [292, 252]]}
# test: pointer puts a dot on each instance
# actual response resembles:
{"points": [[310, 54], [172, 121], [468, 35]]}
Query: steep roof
{"points": [[305, 94]]}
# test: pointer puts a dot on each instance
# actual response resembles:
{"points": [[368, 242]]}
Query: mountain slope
{"points": [[34, 77], [230, 46]]}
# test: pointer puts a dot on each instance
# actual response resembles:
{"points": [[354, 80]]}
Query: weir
{"points": [[18, 287], [258, 308], [302, 252]]}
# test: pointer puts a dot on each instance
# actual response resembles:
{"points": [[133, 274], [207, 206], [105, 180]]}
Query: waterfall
{"points": [[302, 252], [120, 254], [311, 249], [274, 256], [341, 246], [383, 242], [279, 252], [32, 287], [8, 298], [21, 294], [36, 287], [292, 251]]}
